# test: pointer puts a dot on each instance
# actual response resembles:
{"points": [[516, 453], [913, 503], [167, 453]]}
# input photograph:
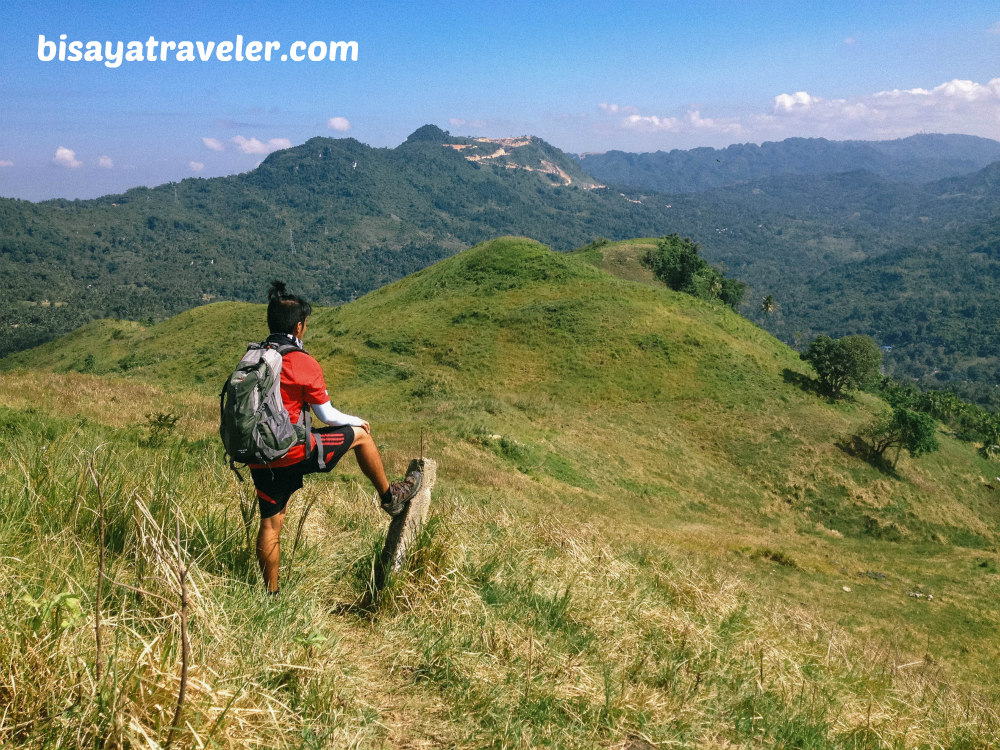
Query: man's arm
{"points": [[336, 418]]}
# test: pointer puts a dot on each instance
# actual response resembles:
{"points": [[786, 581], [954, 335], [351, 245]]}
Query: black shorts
{"points": [[276, 486]]}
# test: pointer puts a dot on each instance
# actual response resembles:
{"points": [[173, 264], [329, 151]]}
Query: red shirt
{"points": [[302, 384]]}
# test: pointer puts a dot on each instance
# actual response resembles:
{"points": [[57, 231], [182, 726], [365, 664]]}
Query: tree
{"points": [[732, 292], [767, 306], [903, 428], [676, 263], [849, 362], [990, 427]]}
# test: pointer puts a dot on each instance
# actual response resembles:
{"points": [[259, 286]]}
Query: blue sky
{"points": [[586, 76]]}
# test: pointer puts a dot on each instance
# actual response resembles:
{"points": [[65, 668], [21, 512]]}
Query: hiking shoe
{"points": [[399, 494]]}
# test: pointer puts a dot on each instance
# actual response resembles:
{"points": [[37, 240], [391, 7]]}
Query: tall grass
{"points": [[672, 576], [509, 630], [170, 527]]}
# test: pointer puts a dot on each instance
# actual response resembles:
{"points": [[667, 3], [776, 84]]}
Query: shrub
{"points": [[849, 362], [676, 263], [903, 428]]}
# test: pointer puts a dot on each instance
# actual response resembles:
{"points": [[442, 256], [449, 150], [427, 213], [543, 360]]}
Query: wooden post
{"points": [[405, 527]]}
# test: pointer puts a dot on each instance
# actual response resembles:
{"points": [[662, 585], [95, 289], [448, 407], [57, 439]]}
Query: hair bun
{"points": [[277, 290]]}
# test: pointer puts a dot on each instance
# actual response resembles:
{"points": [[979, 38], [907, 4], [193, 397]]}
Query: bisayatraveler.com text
{"points": [[114, 53]]}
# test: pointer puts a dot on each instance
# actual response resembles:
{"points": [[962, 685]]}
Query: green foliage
{"points": [[849, 362], [57, 613], [914, 265], [969, 422], [903, 428], [989, 426], [601, 598], [333, 217], [893, 251], [595, 244], [676, 262], [160, 425]]}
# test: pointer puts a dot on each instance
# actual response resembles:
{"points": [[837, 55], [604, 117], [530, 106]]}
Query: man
{"points": [[303, 387]]}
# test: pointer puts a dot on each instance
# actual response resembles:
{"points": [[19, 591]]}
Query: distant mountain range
{"points": [[847, 237], [917, 159]]}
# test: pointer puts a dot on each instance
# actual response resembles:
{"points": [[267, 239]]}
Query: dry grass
{"points": [[105, 400], [506, 629], [631, 546]]}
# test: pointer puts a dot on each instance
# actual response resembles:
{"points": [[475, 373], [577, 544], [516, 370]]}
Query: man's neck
{"points": [[290, 337]]}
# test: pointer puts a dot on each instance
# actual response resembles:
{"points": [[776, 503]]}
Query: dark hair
{"points": [[284, 310]]}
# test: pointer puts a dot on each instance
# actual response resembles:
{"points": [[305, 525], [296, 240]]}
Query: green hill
{"points": [[851, 253], [645, 532], [335, 217]]}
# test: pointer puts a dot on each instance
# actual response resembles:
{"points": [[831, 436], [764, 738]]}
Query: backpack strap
{"points": [[232, 465], [305, 417]]}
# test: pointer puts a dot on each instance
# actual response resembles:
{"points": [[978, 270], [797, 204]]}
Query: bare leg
{"points": [[366, 452], [269, 549]]}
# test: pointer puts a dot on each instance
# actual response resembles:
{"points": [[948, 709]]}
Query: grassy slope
{"points": [[629, 481]]}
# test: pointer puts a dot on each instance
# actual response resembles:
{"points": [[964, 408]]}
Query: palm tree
{"points": [[767, 306]]}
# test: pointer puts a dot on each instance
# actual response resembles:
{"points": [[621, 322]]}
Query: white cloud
{"points": [[791, 102], [195, 166], [105, 162], [214, 143], [694, 120], [254, 146], [690, 122], [614, 109], [6, 163], [952, 92], [340, 124], [850, 41], [995, 29], [66, 157], [956, 106], [650, 122]]}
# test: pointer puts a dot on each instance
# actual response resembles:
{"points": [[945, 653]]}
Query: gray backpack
{"points": [[253, 422]]}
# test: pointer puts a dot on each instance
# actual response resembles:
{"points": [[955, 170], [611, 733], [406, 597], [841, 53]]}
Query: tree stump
{"points": [[405, 527]]}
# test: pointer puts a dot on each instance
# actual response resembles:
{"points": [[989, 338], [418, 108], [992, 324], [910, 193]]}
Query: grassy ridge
{"points": [[645, 533]]}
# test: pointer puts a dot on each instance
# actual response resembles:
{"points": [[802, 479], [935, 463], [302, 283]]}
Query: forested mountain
{"points": [[916, 266], [933, 303], [334, 217], [917, 159], [913, 265]]}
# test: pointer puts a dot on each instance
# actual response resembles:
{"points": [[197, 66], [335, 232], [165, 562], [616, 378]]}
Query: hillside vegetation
{"points": [[896, 240], [335, 217], [914, 266], [646, 532]]}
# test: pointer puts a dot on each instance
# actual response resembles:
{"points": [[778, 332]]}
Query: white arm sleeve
{"points": [[333, 417]]}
